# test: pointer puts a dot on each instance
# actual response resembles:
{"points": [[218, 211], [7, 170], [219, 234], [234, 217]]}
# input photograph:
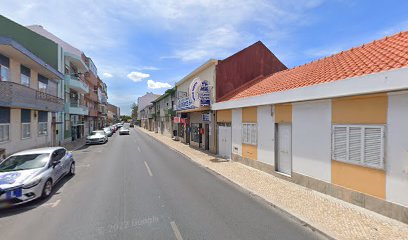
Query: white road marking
{"points": [[56, 203], [138, 149], [148, 169], [176, 230]]}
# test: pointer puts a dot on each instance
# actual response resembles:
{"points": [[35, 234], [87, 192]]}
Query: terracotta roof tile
{"points": [[381, 55]]}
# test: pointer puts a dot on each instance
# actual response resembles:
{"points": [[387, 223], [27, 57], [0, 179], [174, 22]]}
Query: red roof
{"points": [[381, 55]]}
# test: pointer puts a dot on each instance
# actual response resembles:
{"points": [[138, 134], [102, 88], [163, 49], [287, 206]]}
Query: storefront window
{"points": [[195, 132]]}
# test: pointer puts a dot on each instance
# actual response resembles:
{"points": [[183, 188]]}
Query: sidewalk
{"points": [[70, 146], [331, 216]]}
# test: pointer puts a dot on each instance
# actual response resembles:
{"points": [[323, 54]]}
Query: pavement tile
{"points": [[335, 218]]}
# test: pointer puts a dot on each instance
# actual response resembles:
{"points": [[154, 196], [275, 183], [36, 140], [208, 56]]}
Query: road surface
{"points": [[134, 187]]}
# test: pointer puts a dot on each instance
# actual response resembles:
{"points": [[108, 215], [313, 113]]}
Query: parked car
{"points": [[31, 174], [113, 128], [96, 137], [119, 125], [132, 125], [124, 131], [108, 131]]}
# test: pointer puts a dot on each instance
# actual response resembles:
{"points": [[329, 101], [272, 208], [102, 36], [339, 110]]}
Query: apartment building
{"points": [[165, 111], [147, 116], [113, 113], [336, 125], [102, 104], [91, 98], [145, 100], [28, 98]]}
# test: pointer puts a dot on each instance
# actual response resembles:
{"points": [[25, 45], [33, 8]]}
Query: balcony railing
{"points": [[76, 108], [76, 83], [16, 95], [92, 96]]}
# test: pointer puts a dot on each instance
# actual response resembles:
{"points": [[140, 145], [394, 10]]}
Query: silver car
{"points": [[31, 174], [123, 131], [99, 136]]}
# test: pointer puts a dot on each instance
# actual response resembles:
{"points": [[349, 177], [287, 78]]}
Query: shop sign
{"points": [[176, 119], [199, 95], [206, 117]]}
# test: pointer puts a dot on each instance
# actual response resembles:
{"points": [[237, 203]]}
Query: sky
{"points": [[144, 46]]}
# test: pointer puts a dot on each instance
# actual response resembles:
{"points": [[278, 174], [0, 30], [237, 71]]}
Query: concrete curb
{"points": [[249, 192]]}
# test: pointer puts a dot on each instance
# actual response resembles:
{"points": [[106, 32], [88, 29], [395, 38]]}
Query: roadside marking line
{"points": [[86, 165], [56, 203], [138, 149], [176, 230], [148, 169]]}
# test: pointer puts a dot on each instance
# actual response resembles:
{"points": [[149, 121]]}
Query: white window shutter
{"points": [[244, 133], [340, 143], [253, 134], [355, 141], [373, 146]]}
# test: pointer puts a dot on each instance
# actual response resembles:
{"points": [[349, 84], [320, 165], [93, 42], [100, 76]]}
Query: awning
{"points": [[200, 109]]}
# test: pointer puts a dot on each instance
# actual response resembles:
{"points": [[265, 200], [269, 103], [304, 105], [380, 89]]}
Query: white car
{"points": [[97, 137], [31, 174], [124, 131]]}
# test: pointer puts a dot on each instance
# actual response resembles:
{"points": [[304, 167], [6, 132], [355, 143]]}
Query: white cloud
{"points": [[149, 68], [107, 75], [156, 85], [137, 76]]}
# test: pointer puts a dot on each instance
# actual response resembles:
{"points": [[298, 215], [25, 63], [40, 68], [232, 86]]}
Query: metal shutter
{"points": [[4, 115], [373, 146], [339, 143], [25, 115]]}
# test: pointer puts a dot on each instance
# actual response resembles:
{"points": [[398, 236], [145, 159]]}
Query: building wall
{"points": [[16, 144], [237, 131], [396, 161], [244, 66], [42, 47], [224, 116], [311, 139], [266, 134], [360, 110]]}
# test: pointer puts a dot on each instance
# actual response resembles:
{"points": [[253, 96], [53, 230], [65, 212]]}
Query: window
{"points": [[359, 144], [42, 123], [25, 75], [42, 83], [4, 124], [25, 123], [195, 132], [249, 133], [4, 68]]}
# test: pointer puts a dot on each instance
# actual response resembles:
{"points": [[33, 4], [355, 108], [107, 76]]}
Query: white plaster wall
{"points": [[311, 139], [237, 131], [266, 135], [396, 154]]}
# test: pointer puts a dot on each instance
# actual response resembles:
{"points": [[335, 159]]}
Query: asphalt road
{"points": [[134, 187]]}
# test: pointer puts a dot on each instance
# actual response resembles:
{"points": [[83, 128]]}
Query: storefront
{"points": [[195, 120]]}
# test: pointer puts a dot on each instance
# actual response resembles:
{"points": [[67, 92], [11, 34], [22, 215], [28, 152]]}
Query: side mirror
{"points": [[55, 163]]}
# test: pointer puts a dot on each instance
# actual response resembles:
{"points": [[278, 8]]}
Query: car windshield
{"points": [[24, 162], [97, 133]]}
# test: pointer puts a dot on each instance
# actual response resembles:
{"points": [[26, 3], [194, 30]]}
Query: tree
{"points": [[135, 108], [125, 118]]}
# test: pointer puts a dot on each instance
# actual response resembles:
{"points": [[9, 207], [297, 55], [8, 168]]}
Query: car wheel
{"points": [[47, 189], [72, 169]]}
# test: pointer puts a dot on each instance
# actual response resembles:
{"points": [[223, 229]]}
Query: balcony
{"points": [[92, 96], [17, 95], [76, 108], [169, 112], [76, 83], [93, 112]]}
